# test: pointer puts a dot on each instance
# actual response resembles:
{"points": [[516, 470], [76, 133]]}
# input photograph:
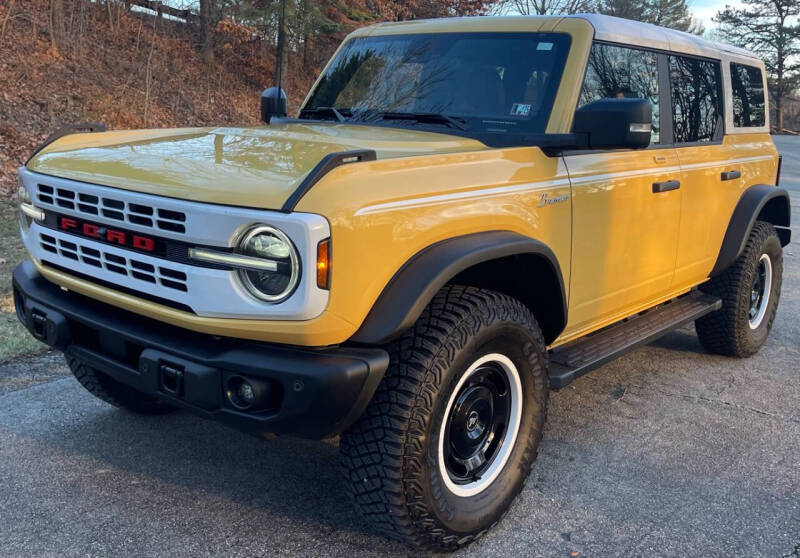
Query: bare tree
{"points": [[769, 29]]}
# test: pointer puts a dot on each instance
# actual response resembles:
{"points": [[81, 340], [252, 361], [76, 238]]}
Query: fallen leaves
{"points": [[100, 75]]}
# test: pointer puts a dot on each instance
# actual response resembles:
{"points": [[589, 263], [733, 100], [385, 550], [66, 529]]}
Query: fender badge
{"points": [[544, 200]]}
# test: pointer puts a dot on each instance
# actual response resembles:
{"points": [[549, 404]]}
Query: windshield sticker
{"points": [[520, 109], [544, 46]]}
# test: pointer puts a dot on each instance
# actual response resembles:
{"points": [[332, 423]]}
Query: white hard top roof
{"points": [[607, 28], [626, 31]]}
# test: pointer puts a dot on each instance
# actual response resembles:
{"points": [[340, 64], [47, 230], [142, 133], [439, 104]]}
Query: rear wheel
{"points": [[111, 391], [453, 430], [750, 290]]}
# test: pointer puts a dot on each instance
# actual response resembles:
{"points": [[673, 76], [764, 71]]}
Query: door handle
{"points": [[730, 175], [666, 186]]}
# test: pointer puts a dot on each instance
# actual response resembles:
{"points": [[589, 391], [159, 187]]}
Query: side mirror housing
{"points": [[615, 123], [273, 103]]}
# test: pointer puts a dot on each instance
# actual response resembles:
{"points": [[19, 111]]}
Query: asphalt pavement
{"points": [[667, 451]]}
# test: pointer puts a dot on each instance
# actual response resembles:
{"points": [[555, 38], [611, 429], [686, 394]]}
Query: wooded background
{"points": [[144, 63]]}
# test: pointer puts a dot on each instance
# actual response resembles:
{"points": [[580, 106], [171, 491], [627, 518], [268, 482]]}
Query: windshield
{"points": [[476, 83]]}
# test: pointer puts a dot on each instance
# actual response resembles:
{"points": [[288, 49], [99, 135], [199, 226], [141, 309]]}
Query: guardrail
{"points": [[162, 9]]}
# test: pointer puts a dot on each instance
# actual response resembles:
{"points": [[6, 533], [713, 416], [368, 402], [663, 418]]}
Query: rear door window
{"points": [[615, 71], [747, 89], [696, 99]]}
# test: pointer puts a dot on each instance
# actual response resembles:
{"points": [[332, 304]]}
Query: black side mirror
{"points": [[615, 123], [273, 103]]}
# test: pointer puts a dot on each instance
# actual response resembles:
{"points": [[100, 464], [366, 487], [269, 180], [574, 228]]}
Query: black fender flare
{"points": [[413, 286], [753, 204]]}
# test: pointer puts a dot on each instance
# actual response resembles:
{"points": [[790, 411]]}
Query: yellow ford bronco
{"points": [[464, 214]]}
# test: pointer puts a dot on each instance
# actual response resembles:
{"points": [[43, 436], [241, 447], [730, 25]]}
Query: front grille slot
{"points": [[155, 218], [127, 266]]}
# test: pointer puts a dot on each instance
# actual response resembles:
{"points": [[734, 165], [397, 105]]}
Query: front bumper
{"points": [[314, 393]]}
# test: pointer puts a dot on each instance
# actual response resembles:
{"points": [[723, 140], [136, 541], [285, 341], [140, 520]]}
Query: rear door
{"points": [[625, 234], [698, 133], [718, 159]]}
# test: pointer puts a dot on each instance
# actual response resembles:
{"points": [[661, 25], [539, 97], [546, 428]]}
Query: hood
{"points": [[252, 167]]}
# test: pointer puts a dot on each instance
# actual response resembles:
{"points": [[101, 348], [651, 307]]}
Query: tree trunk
{"points": [[206, 32], [56, 23], [5, 20], [281, 54], [110, 15], [779, 109]]}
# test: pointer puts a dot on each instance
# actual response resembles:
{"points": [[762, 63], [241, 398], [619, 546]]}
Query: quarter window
{"points": [[747, 87], [696, 99], [615, 71]]}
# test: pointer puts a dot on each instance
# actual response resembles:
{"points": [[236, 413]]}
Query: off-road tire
{"points": [[388, 455], [727, 331], [111, 391]]}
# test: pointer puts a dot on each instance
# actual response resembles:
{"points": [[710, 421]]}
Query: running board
{"points": [[575, 359]]}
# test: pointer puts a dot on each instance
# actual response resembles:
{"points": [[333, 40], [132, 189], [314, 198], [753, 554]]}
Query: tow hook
{"points": [[39, 325], [171, 379]]}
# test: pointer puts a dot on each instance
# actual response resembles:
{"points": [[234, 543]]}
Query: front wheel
{"points": [[750, 289], [453, 430]]}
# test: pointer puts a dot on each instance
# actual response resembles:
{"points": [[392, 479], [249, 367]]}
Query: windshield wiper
{"points": [[424, 117], [329, 111]]}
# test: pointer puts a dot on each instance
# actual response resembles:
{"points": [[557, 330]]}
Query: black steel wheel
{"points": [[480, 424]]}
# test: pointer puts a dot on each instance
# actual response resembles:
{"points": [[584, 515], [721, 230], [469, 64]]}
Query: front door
{"points": [[626, 206]]}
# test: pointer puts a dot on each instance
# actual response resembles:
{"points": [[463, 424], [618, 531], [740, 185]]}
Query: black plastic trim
{"points": [[751, 202], [323, 390], [414, 285], [326, 165], [83, 127], [665, 133]]}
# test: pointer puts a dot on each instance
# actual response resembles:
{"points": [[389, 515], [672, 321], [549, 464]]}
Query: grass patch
{"points": [[11, 250], [15, 340]]}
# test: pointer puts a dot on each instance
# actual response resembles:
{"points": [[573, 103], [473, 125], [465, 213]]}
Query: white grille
{"points": [[111, 208], [127, 266], [209, 292]]}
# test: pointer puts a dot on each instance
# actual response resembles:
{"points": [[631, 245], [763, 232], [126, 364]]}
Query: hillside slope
{"points": [[124, 69]]}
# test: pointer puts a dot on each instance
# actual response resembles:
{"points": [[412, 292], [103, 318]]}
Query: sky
{"points": [[704, 10]]}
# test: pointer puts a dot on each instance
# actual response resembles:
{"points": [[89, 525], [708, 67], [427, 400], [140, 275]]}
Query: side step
{"points": [[575, 359]]}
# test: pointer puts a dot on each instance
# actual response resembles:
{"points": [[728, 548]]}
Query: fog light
{"points": [[245, 393], [249, 394]]}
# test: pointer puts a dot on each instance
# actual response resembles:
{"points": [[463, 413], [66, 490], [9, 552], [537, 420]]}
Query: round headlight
{"points": [[268, 243]]}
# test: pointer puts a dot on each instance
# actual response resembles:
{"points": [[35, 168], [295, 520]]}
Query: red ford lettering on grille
{"points": [[107, 234]]}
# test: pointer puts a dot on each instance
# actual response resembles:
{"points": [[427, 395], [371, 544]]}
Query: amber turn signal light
{"points": [[324, 264]]}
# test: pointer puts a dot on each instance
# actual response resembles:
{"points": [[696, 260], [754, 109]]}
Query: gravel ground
{"points": [[667, 451]]}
